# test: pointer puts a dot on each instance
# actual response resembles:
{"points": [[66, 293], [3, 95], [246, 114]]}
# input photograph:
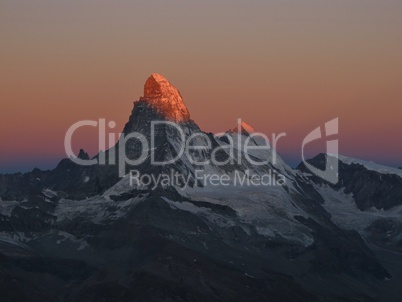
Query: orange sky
{"points": [[282, 66]]}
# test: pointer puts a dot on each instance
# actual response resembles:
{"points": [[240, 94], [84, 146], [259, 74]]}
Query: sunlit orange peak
{"points": [[243, 128], [247, 127], [165, 98]]}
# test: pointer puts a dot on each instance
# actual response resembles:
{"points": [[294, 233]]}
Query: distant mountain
{"points": [[82, 233], [367, 198], [372, 185]]}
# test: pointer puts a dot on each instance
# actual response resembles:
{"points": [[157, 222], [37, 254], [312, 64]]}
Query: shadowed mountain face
{"points": [[82, 233], [372, 187], [367, 198]]}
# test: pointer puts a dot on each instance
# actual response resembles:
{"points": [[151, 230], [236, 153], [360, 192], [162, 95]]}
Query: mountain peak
{"points": [[165, 98], [83, 155], [242, 128], [246, 127], [156, 86]]}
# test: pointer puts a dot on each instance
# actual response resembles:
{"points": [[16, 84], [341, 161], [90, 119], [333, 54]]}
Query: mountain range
{"points": [[87, 233]]}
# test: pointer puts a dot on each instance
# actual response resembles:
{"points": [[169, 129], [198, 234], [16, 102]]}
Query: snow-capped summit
{"points": [[165, 98]]}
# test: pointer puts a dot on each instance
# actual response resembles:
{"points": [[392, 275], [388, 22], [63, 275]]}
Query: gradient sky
{"points": [[282, 66]]}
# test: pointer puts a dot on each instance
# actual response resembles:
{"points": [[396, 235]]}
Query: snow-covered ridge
{"points": [[369, 165], [346, 214]]}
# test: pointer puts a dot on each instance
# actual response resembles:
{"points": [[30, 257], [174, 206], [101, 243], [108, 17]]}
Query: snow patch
{"points": [[369, 165]]}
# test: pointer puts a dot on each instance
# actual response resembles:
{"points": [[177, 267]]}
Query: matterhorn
{"points": [[87, 233]]}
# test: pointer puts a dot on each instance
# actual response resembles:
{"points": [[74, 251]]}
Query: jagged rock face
{"points": [[370, 189], [386, 232], [161, 102], [165, 98]]}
